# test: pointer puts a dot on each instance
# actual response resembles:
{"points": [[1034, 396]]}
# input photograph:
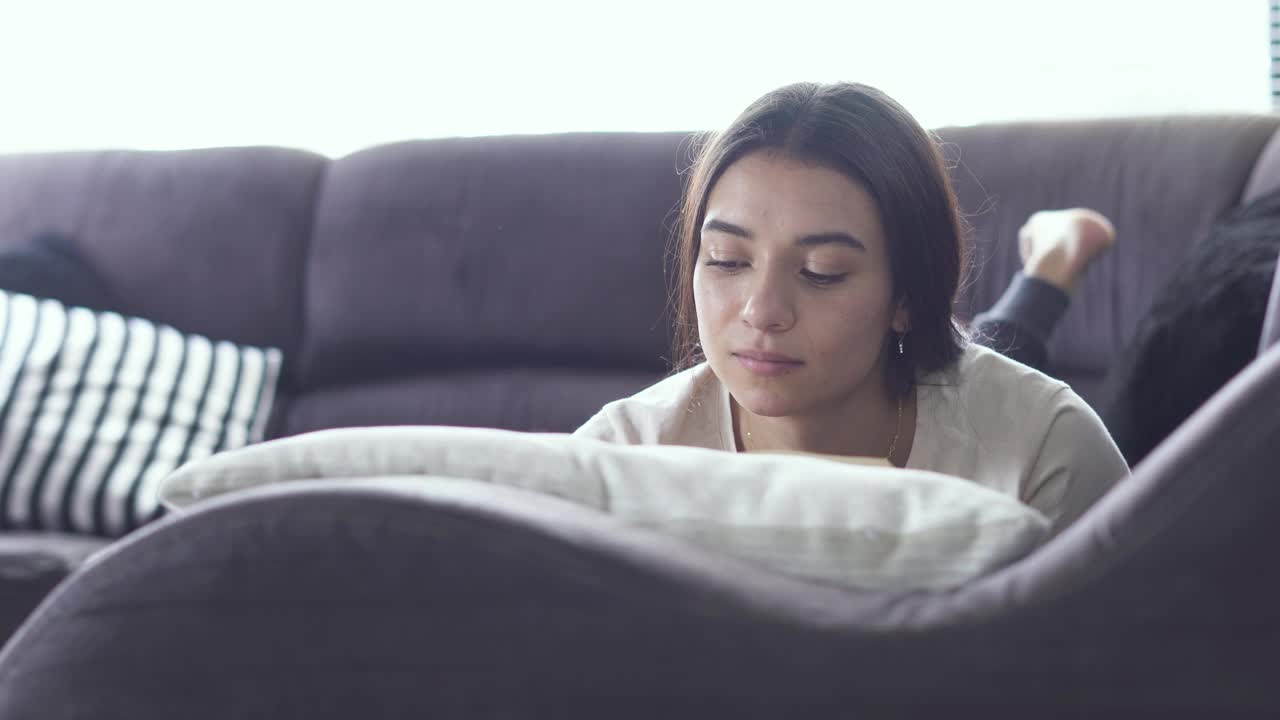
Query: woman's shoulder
{"points": [[989, 401], [984, 375], [671, 411], [1019, 431], [676, 391], [1062, 453]]}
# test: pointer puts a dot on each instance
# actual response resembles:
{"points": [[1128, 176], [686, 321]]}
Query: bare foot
{"points": [[1057, 245]]}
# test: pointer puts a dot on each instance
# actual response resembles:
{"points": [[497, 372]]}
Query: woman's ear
{"points": [[901, 318]]}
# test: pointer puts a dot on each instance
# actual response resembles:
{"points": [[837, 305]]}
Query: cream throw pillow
{"points": [[867, 527]]}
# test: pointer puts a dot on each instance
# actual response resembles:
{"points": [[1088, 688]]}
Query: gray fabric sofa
{"points": [[518, 282]]}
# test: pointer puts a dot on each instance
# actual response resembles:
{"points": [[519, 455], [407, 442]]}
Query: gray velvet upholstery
{"points": [[533, 399], [1271, 322], [210, 241], [32, 564], [456, 600], [476, 252], [518, 283]]}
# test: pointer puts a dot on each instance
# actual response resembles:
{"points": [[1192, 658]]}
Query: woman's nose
{"points": [[767, 307]]}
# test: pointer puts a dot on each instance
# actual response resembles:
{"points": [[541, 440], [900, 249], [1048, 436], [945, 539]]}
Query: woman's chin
{"points": [[763, 403]]}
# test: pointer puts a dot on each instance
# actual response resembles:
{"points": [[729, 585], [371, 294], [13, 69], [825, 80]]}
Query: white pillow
{"points": [[96, 408], [867, 527]]}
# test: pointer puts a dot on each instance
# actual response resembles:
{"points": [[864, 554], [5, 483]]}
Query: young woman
{"points": [[818, 257]]}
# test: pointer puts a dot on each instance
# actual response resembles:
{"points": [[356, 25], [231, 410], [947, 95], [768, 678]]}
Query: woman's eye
{"points": [[724, 264], [820, 279]]}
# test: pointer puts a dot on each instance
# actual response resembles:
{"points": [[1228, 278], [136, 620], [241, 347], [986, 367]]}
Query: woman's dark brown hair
{"points": [[863, 133]]}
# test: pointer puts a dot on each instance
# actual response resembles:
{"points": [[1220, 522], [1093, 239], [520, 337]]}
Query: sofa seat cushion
{"points": [[867, 527], [28, 555], [31, 565]]}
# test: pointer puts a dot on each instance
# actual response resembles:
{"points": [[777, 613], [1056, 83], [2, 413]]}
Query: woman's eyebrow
{"points": [[816, 239], [725, 227], [832, 238]]}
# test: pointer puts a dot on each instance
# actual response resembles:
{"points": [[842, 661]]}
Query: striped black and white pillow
{"points": [[96, 408]]}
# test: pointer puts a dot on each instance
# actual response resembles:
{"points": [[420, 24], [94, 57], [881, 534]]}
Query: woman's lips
{"points": [[768, 364]]}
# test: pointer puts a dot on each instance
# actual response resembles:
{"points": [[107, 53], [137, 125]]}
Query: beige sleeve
{"points": [[673, 411], [1077, 464], [610, 425]]}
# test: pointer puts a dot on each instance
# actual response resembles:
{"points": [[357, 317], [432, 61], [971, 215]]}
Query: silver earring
{"points": [[901, 337]]}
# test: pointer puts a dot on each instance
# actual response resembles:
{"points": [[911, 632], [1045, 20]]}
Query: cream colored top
{"points": [[988, 419]]}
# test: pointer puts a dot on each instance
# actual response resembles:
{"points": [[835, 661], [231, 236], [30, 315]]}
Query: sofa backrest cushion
{"points": [[504, 252], [208, 241]]}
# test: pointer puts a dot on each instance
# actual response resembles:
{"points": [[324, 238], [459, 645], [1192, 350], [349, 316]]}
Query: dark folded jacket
{"points": [[1201, 330]]}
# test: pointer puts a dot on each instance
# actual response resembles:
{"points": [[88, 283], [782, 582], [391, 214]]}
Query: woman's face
{"points": [[792, 287]]}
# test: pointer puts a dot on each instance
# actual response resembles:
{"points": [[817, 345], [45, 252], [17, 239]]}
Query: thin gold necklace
{"points": [[893, 446]]}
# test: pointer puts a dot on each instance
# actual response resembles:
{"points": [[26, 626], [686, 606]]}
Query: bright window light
{"points": [[335, 77]]}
